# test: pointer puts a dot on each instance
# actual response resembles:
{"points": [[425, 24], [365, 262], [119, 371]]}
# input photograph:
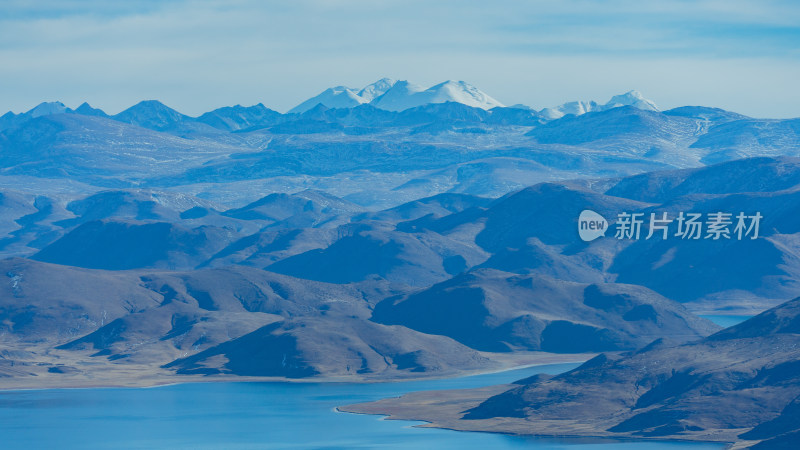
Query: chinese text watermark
{"points": [[690, 226]]}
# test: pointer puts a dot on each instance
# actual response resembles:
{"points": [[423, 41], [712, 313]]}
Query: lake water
{"points": [[252, 416], [725, 321]]}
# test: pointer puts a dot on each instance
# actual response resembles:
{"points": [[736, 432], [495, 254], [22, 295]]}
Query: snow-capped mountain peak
{"points": [[398, 97], [392, 95], [576, 108], [404, 95], [461, 92], [46, 109], [631, 98], [376, 89], [335, 97]]}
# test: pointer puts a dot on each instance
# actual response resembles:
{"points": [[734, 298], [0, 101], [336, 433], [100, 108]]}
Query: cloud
{"points": [[197, 55]]}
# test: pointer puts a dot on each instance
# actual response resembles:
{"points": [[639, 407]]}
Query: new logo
{"points": [[591, 225]]}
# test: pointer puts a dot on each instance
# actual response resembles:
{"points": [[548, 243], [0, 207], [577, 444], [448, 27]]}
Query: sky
{"points": [[195, 56]]}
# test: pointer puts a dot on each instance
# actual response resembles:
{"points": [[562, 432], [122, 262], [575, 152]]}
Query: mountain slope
{"points": [[745, 175], [364, 251], [351, 347], [87, 110], [305, 209], [10, 120], [335, 97], [118, 245], [747, 138], [738, 385], [577, 108], [496, 311], [404, 95], [704, 388], [99, 151], [153, 115], [376, 89], [235, 118], [625, 128], [236, 321]]}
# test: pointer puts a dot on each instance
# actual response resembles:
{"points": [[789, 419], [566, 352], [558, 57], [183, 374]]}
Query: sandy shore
{"points": [[444, 409], [97, 374], [439, 409]]}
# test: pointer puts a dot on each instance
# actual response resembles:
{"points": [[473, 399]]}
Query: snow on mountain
{"points": [[335, 97], [576, 108], [376, 89], [11, 120], [461, 92], [47, 108], [394, 95], [386, 94], [404, 95], [630, 98], [399, 97], [705, 113]]}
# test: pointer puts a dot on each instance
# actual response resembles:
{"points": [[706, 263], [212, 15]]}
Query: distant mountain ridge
{"points": [[392, 95], [414, 153], [630, 98], [386, 93]]}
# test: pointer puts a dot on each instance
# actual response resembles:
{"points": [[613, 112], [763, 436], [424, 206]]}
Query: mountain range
{"points": [[315, 235], [386, 94], [394, 95], [396, 232], [630, 98], [371, 157]]}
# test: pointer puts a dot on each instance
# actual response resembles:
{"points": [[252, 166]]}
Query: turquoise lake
{"points": [[253, 416], [725, 320]]}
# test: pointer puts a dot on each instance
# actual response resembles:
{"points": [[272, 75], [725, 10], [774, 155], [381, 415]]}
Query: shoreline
{"points": [[162, 380], [442, 410], [419, 423]]}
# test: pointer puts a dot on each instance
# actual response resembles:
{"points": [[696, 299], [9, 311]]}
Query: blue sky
{"points": [[199, 55]]}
